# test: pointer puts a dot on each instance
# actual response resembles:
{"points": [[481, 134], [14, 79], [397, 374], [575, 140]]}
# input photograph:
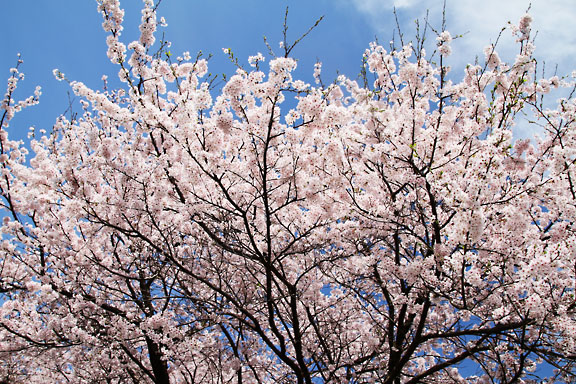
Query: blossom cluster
{"points": [[387, 230]]}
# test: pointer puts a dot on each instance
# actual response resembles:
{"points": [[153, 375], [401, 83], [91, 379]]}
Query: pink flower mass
{"points": [[382, 230]]}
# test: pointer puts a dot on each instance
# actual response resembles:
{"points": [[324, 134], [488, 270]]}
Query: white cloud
{"points": [[481, 22], [553, 21], [376, 6], [370, 7], [406, 3]]}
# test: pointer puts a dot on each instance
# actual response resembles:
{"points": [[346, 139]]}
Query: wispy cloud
{"points": [[481, 22], [553, 22]]}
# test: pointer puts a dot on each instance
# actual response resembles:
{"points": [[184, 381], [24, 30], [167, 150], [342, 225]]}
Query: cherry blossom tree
{"points": [[389, 231]]}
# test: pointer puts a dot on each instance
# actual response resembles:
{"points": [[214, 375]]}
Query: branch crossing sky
{"points": [[67, 34]]}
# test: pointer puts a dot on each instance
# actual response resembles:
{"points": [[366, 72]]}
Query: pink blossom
{"points": [[386, 230]]}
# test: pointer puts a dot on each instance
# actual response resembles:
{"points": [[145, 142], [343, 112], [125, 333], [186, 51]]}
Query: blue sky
{"points": [[67, 34]]}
